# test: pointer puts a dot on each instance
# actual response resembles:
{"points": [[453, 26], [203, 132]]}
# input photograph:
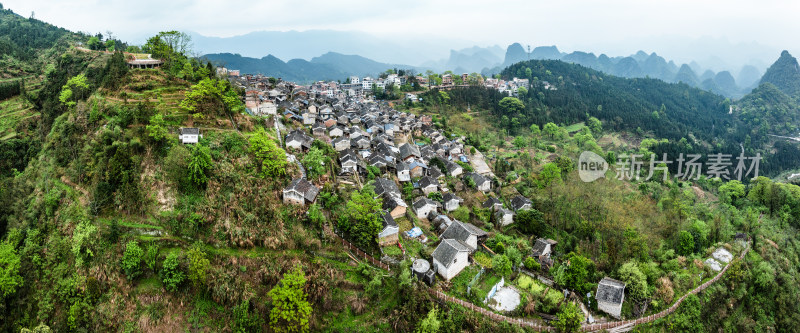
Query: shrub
{"points": [[532, 264], [131, 259], [171, 274]]}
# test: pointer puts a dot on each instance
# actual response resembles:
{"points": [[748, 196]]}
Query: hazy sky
{"points": [[617, 27]]}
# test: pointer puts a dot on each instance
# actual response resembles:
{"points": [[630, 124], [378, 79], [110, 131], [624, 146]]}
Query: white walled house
{"points": [[450, 258], [504, 216], [300, 192], [610, 295], [388, 234], [423, 206], [190, 135]]}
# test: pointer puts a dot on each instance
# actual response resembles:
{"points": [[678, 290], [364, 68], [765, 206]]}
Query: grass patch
{"points": [[575, 127]]}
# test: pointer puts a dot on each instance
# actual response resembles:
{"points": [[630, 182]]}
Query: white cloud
{"points": [[613, 24]]}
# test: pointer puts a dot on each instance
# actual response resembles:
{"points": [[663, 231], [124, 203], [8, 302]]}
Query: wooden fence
{"points": [[361, 254]]}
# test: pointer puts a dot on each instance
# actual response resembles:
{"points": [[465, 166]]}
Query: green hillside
{"points": [[108, 222]]}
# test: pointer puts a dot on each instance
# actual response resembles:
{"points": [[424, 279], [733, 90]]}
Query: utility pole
{"points": [[529, 52]]}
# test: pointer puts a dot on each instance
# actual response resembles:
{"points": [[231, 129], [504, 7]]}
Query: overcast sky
{"points": [[613, 26]]}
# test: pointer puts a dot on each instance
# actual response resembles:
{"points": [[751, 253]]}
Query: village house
{"points": [[453, 169], [409, 151], [386, 186], [542, 249], [335, 132], [450, 258], [493, 203], [299, 140], [394, 205], [481, 183], [465, 233], [428, 185], [423, 206], [190, 135], [300, 192], [610, 295], [504, 216], [417, 168], [450, 201], [341, 143], [388, 235], [318, 130], [403, 172], [521, 203]]}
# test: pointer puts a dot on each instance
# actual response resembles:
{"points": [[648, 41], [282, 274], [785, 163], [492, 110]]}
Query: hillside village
{"points": [[423, 180], [263, 101], [153, 191]]}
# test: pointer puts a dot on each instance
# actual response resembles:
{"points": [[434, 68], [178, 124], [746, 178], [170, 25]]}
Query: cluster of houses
{"points": [[373, 135]]}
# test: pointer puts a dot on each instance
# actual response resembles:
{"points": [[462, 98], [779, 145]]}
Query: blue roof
{"points": [[414, 232]]}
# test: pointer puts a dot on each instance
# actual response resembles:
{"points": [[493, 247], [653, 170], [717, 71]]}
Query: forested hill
{"points": [[784, 74], [21, 40], [565, 93], [691, 119]]}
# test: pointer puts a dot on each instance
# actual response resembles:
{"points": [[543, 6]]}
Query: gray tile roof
{"points": [[422, 201], [303, 186], [461, 231], [447, 251], [190, 130], [491, 202], [610, 290], [519, 201]]}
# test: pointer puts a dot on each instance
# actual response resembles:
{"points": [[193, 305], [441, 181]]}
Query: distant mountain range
{"points": [[352, 53], [330, 66]]}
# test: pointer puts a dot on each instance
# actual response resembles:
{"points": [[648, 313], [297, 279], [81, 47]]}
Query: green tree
{"points": [[315, 215], [111, 45], [291, 310], [513, 255], [200, 164], [271, 158], [430, 324], [511, 106], [635, 280], [532, 264], [688, 316], [520, 142], [10, 279], [171, 274], [575, 273], [157, 128], [595, 125], [210, 96], [531, 222], [198, 265], [364, 216], [685, 243], [94, 43], [82, 241], [74, 90], [132, 259], [501, 265], [550, 129], [535, 129], [569, 318], [315, 162], [731, 191], [550, 173], [176, 166]]}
